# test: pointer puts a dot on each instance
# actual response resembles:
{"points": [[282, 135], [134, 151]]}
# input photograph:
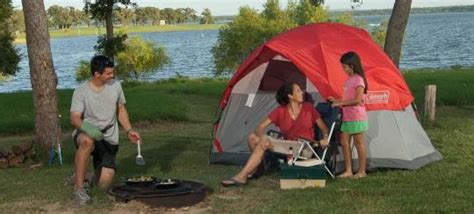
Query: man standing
{"points": [[96, 106]]}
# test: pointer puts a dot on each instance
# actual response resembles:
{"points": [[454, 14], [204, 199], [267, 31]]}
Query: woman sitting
{"points": [[294, 118]]}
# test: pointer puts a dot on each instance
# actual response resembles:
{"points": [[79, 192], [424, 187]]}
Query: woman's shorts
{"points": [[354, 127]]}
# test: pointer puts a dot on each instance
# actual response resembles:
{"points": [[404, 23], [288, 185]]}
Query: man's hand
{"points": [[92, 130], [133, 136]]}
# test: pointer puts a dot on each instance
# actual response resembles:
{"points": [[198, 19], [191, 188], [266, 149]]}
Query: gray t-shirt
{"points": [[100, 108]]}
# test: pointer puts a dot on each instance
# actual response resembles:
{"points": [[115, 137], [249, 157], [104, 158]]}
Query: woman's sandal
{"points": [[232, 183]]}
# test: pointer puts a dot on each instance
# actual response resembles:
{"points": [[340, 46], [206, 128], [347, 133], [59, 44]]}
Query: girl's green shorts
{"points": [[354, 127]]}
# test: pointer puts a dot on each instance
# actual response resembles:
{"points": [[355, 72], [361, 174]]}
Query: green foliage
{"points": [[148, 15], [346, 18], [237, 39], [169, 15], [277, 22], [64, 17], [308, 13], [207, 17], [135, 58], [125, 16], [190, 14], [317, 2], [17, 22], [272, 9], [140, 57], [83, 71], [379, 33], [112, 46], [9, 56], [249, 29], [100, 8]]}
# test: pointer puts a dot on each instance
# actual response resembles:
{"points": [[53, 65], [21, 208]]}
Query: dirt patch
{"points": [[229, 193], [135, 206], [118, 207]]}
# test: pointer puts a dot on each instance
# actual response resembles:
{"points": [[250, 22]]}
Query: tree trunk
{"points": [[109, 25], [43, 77], [396, 29]]}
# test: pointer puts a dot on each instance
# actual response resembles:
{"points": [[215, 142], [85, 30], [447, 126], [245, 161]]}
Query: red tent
{"points": [[315, 49], [309, 55]]}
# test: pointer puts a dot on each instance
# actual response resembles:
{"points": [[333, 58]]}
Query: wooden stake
{"points": [[430, 102]]}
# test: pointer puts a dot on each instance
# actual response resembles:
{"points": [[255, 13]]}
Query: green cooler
{"points": [[302, 177]]}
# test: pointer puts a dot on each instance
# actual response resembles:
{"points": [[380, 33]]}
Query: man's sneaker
{"points": [[70, 180], [81, 197]]}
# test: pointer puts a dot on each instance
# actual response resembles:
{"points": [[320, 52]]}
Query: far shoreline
{"points": [[94, 31]]}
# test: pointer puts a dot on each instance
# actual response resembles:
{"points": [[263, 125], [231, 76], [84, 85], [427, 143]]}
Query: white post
{"points": [[430, 102]]}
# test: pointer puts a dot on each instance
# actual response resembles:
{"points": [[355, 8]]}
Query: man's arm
{"points": [[124, 120], [76, 120], [88, 128]]}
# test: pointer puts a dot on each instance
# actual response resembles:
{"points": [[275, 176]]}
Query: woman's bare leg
{"points": [[253, 161], [253, 140]]}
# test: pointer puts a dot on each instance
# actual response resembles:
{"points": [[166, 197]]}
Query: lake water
{"points": [[431, 41]]}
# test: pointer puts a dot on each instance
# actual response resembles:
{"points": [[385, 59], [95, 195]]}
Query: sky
{"points": [[230, 7]]}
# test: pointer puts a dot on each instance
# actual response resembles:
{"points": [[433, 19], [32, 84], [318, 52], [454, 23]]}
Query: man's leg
{"points": [[81, 160], [106, 178], [85, 146], [104, 164]]}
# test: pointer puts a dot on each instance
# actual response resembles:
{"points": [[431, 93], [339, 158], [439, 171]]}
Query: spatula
{"points": [[139, 159]]}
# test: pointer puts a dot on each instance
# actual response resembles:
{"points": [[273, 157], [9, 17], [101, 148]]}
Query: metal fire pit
{"points": [[185, 193]]}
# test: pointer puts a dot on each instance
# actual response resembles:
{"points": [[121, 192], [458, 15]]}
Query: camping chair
{"points": [[327, 156]]}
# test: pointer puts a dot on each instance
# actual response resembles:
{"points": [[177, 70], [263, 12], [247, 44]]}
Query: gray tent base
{"points": [[395, 139], [226, 158]]}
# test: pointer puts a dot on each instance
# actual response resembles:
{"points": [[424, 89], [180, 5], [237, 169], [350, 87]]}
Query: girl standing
{"points": [[354, 115]]}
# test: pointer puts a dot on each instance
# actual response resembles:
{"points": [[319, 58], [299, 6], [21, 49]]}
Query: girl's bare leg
{"points": [[360, 146], [345, 137]]}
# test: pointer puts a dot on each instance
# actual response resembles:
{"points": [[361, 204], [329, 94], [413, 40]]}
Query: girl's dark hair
{"points": [[99, 63], [353, 60], [283, 92]]}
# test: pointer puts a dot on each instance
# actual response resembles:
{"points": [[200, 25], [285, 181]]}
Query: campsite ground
{"points": [[175, 119]]}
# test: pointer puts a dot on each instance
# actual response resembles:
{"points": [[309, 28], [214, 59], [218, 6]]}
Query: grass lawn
{"points": [[83, 31], [175, 119]]}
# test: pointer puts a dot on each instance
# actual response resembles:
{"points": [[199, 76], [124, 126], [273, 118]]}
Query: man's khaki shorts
{"points": [[283, 146]]}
